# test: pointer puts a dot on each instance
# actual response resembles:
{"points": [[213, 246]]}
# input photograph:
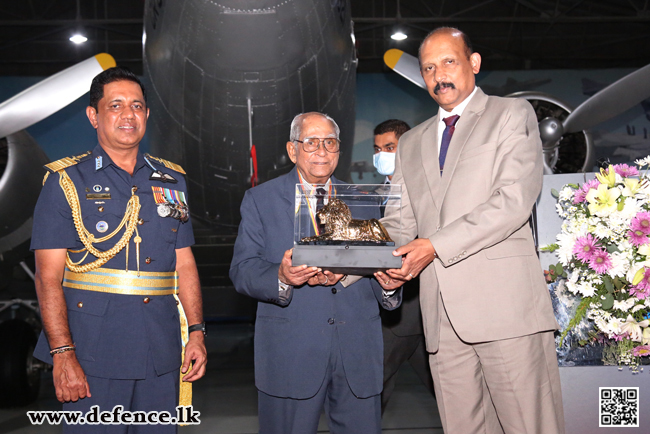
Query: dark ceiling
{"points": [[509, 34]]}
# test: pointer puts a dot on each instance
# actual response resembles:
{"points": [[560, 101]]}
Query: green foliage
{"points": [[555, 272], [618, 284], [609, 284], [608, 302], [555, 193], [580, 313], [550, 248]]}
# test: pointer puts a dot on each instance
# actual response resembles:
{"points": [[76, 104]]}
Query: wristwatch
{"points": [[196, 328]]}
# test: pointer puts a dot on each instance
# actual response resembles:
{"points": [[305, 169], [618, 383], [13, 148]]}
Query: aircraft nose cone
{"points": [[550, 130]]}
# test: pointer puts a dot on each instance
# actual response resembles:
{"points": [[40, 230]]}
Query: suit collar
{"points": [[290, 181]]}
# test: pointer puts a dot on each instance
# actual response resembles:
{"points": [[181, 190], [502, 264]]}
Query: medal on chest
{"points": [[171, 203]]}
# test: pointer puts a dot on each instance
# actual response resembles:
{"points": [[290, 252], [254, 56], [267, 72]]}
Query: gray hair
{"points": [[296, 125]]}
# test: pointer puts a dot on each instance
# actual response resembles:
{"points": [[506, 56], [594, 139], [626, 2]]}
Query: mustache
{"points": [[441, 85]]}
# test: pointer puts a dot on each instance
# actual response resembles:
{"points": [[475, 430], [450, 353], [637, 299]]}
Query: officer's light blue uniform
{"points": [[121, 339]]}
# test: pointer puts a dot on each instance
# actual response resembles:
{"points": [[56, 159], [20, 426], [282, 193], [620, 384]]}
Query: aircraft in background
{"points": [[21, 178], [567, 143], [591, 87], [227, 78], [513, 85]]}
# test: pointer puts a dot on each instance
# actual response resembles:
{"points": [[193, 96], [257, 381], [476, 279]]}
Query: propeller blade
{"points": [[610, 101], [50, 95], [405, 65]]}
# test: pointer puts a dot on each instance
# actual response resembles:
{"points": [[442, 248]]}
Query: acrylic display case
{"points": [[336, 227]]}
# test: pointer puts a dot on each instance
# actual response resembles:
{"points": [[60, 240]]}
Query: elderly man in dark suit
{"points": [[317, 335]]}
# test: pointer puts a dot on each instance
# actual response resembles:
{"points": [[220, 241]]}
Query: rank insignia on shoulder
{"points": [[66, 162], [171, 203], [166, 163]]}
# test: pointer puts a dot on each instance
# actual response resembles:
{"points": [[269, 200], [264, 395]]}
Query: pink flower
{"points": [[637, 237], [625, 171], [581, 193], [585, 247], [641, 351], [641, 223], [642, 289], [600, 261]]}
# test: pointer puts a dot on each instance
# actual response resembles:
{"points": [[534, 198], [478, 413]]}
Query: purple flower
{"points": [[637, 237], [625, 171], [600, 261], [642, 289], [641, 223], [581, 193], [641, 351], [585, 247]]}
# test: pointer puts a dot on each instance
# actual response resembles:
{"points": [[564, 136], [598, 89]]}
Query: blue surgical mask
{"points": [[384, 162]]}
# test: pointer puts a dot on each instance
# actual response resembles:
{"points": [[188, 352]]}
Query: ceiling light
{"points": [[78, 38], [398, 36]]}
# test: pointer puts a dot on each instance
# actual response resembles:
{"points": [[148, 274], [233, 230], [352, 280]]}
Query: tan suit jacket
{"points": [[476, 216]]}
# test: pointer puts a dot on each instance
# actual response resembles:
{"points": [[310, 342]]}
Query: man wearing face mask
{"points": [[402, 327]]}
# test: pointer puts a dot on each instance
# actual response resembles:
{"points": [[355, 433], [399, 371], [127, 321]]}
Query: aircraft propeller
{"points": [[50, 95]]}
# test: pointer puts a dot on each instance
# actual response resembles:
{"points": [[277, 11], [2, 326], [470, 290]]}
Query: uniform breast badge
{"points": [[171, 203], [158, 175]]}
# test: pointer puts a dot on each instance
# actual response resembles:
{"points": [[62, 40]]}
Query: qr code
{"points": [[619, 406]]}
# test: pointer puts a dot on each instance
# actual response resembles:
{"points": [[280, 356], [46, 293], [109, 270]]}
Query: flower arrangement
{"points": [[604, 251]]}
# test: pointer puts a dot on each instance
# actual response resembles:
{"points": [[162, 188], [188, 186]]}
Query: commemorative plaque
{"points": [[336, 227]]}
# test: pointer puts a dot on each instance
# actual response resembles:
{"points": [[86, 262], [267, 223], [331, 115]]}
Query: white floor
{"points": [[227, 398]]}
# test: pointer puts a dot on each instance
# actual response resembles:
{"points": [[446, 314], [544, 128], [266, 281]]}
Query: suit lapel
{"points": [[429, 157], [464, 128], [289, 195]]}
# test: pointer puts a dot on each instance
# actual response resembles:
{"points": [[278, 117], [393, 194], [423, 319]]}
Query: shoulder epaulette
{"points": [[66, 162], [167, 164]]}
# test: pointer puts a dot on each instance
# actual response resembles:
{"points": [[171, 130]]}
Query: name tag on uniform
{"points": [[95, 196]]}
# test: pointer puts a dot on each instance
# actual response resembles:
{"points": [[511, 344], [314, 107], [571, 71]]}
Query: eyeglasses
{"points": [[312, 144]]}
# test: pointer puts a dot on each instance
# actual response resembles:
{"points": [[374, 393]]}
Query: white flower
{"points": [[620, 264], [637, 308], [586, 289], [603, 231], [643, 161], [633, 328], [566, 193], [624, 305], [565, 250]]}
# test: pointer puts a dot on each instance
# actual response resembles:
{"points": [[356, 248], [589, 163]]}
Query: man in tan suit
{"points": [[469, 184]]}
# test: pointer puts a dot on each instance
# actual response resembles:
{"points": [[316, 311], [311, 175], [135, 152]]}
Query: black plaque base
{"points": [[347, 259]]}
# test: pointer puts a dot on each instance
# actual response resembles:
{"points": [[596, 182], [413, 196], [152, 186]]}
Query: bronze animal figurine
{"points": [[340, 226]]}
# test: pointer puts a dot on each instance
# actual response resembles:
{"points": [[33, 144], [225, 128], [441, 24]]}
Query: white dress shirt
{"points": [[458, 110]]}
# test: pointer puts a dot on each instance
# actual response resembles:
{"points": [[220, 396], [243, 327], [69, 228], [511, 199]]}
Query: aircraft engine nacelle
{"points": [[223, 75], [21, 179]]}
